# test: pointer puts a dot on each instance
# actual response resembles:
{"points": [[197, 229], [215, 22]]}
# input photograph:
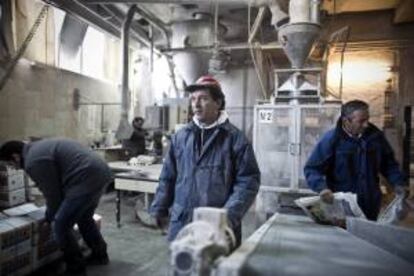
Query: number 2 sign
{"points": [[266, 116]]}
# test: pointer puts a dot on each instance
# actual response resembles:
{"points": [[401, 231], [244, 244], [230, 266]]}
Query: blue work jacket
{"points": [[343, 163], [221, 173]]}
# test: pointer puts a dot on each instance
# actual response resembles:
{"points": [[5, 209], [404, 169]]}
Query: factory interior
{"points": [[85, 70]]}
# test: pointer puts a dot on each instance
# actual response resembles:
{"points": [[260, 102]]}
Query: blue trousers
{"points": [[80, 211]]}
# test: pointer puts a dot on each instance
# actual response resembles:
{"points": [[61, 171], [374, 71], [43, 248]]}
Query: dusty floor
{"points": [[133, 249]]}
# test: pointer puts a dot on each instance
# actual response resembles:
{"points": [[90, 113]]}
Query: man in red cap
{"points": [[210, 163]]}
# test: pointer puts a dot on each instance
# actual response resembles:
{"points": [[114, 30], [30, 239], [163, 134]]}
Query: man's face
{"points": [[16, 160], [357, 122], [205, 109]]}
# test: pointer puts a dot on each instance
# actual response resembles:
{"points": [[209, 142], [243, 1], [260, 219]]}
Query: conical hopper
{"points": [[297, 40], [191, 65]]}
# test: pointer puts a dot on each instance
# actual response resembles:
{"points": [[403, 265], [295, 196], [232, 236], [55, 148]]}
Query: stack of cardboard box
{"points": [[12, 186], [26, 239]]}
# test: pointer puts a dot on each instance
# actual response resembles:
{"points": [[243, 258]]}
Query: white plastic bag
{"points": [[395, 212], [344, 205]]}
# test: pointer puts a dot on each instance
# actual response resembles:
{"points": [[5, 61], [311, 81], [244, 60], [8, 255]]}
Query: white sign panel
{"points": [[266, 116]]}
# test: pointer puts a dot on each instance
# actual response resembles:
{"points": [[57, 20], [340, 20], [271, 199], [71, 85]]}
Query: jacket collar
{"points": [[371, 132], [223, 116], [222, 122]]}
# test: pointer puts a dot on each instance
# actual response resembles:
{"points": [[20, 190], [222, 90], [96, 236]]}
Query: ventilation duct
{"points": [[71, 35], [190, 34]]}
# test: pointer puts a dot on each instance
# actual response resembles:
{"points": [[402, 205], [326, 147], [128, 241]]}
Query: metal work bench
{"points": [[290, 245], [134, 178]]}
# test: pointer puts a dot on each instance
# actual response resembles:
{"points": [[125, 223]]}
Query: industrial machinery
{"points": [[291, 245], [199, 244], [288, 127], [172, 112]]}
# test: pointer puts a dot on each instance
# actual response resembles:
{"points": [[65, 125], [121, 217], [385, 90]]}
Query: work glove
{"points": [[327, 196], [401, 191], [402, 209]]}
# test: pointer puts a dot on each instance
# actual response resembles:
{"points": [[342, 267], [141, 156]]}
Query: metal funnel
{"points": [[297, 40], [191, 65], [190, 34]]}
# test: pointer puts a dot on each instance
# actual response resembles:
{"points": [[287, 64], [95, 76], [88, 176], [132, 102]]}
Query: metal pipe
{"points": [[256, 24], [157, 23], [299, 11], [125, 61], [314, 11], [235, 46], [154, 21]]}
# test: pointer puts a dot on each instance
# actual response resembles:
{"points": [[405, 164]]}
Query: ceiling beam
{"points": [[182, 2], [163, 1], [257, 23]]}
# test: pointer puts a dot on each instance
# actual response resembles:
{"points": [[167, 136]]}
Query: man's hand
{"points": [[401, 191], [162, 223], [327, 196], [49, 216]]}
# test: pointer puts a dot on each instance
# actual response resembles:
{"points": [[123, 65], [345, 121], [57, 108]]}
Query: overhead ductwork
{"points": [[125, 130], [192, 33]]}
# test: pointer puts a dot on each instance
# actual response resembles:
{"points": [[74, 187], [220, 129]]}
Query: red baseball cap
{"points": [[207, 82], [212, 85]]}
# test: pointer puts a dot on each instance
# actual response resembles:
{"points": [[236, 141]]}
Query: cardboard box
{"points": [[12, 198], [16, 265], [11, 179], [15, 236]]}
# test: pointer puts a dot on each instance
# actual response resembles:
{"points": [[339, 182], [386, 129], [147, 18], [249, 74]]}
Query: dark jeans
{"points": [[80, 211]]}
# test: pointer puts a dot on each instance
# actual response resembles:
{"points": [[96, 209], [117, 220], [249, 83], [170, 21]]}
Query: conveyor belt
{"points": [[294, 245]]}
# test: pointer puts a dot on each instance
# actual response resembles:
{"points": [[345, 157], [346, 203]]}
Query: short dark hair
{"points": [[9, 148], [350, 107]]}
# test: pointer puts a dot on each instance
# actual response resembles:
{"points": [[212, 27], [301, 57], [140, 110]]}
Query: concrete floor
{"points": [[133, 249]]}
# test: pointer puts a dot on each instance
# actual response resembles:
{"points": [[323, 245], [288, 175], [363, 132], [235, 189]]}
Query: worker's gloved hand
{"points": [[401, 191], [327, 196]]}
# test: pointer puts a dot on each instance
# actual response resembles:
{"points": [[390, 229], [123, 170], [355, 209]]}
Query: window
{"points": [[87, 57]]}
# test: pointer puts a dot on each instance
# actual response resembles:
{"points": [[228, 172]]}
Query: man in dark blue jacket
{"points": [[136, 144], [350, 157], [72, 178], [210, 163]]}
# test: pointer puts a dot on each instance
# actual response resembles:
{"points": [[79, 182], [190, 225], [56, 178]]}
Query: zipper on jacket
{"points": [[202, 140]]}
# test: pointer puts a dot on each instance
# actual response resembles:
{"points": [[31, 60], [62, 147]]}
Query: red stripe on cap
{"points": [[207, 80]]}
